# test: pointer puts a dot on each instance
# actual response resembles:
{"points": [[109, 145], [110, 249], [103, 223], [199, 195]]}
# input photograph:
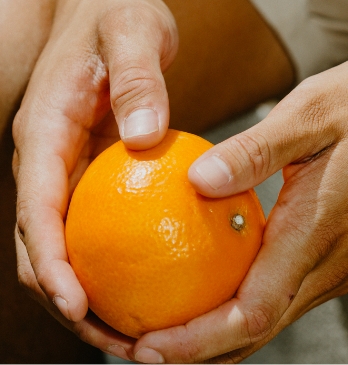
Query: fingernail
{"points": [[62, 305], [149, 356], [117, 351], [139, 123], [214, 171]]}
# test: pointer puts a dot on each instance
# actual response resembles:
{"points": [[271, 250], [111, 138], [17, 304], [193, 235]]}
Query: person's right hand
{"points": [[102, 63], [303, 259]]}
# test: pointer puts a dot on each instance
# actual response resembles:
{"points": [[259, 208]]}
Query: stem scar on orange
{"points": [[151, 252]]}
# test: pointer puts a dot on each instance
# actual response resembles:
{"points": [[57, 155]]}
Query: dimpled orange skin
{"points": [[149, 251]]}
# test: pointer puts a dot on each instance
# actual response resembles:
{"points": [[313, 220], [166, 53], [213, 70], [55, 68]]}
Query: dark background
{"points": [[28, 334]]}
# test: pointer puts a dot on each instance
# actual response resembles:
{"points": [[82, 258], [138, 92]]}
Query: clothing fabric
{"points": [[314, 32]]}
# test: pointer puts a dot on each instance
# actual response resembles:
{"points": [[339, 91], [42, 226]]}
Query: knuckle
{"points": [[20, 233], [259, 322], [126, 12], [155, 17], [253, 154], [23, 207], [86, 332], [24, 275], [313, 106], [26, 207], [17, 125], [82, 332], [189, 351], [328, 241], [133, 85], [338, 278], [330, 232]]}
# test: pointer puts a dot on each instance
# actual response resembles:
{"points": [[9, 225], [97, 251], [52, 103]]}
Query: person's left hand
{"points": [[100, 73], [303, 261]]}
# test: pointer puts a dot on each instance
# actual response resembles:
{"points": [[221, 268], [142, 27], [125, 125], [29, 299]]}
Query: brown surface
{"points": [[28, 334], [228, 61]]}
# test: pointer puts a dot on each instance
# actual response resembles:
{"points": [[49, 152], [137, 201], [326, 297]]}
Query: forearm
{"points": [[24, 28]]}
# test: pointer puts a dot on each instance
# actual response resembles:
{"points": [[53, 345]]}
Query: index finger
{"points": [[41, 205], [50, 132]]}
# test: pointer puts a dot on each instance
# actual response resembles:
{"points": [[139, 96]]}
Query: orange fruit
{"points": [[149, 251]]}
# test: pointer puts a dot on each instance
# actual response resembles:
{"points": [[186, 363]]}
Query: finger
{"points": [[298, 128], [97, 333], [27, 279], [42, 199], [90, 330], [264, 297], [40, 219], [26, 276], [41, 208], [137, 48], [246, 320], [50, 131], [292, 272], [326, 281]]}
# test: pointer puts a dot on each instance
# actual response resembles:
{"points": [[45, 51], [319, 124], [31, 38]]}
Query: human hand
{"points": [[103, 63], [304, 258]]}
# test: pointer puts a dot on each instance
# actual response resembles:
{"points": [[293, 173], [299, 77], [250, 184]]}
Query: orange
{"points": [[151, 252]]}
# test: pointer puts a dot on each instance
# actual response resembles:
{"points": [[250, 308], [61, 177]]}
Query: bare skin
{"points": [[92, 59]]}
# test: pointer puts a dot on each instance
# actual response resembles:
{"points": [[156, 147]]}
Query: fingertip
{"points": [[142, 129], [148, 355], [211, 176], [68, 295], [196, 180], [62, 304], [69, 310], [57, 282]]}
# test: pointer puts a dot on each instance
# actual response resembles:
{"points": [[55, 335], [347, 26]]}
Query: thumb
{"points": [[137, 50], [295, 131]]}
